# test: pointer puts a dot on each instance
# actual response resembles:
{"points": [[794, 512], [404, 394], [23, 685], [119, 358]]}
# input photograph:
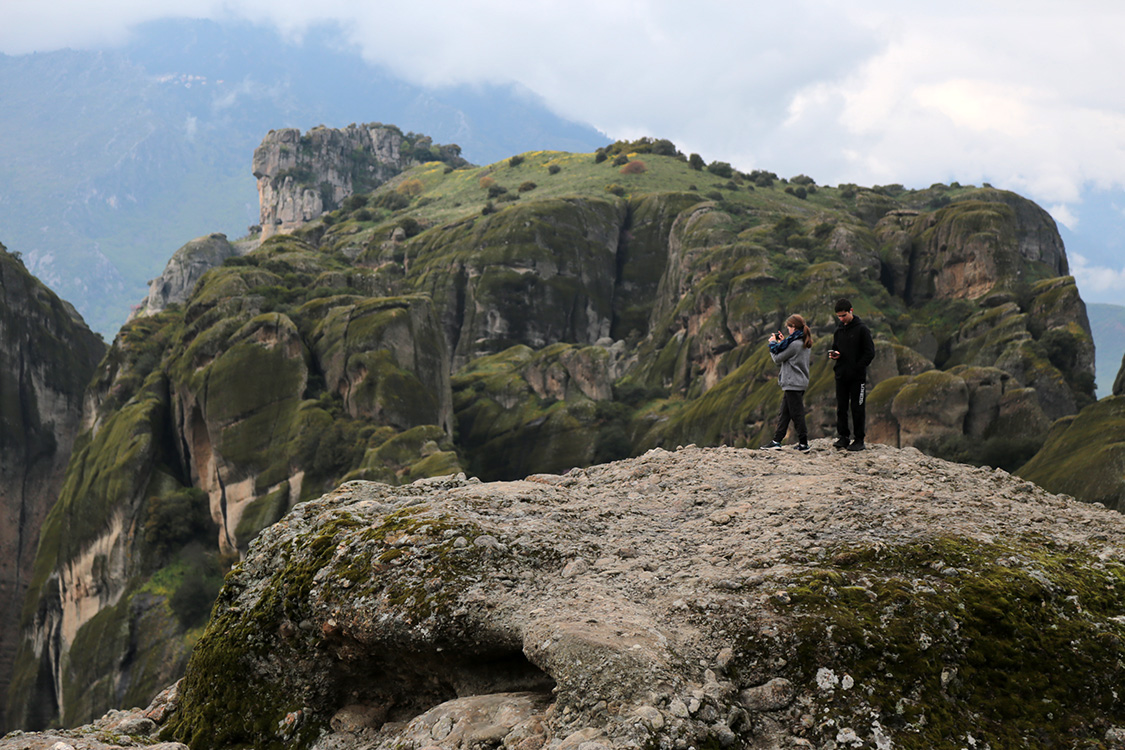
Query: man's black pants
{"points": [[851, 393]]}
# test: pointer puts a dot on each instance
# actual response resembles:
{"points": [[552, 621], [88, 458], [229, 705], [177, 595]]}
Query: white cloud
{"points": [[1021, 94], [1064, 214], [1097, 281]]}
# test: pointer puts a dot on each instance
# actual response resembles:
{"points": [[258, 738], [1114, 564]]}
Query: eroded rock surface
{"points": [[719, 597]]}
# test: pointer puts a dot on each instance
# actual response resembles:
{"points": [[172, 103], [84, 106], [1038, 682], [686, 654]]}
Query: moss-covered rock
{"points": [[1084, 455]]}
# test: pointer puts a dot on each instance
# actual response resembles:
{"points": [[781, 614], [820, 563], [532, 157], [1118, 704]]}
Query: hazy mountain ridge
{"points": [[124, 154]]}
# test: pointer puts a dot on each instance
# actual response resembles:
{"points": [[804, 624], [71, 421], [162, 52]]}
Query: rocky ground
{"points": [[696, 598]]}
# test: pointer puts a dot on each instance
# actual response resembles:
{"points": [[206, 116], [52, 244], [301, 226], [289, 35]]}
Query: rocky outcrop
{"points": [[47, 358], [207, 423], [703, 597], [300, 177], [1084, 454], [184, 270], [1119, 383]]}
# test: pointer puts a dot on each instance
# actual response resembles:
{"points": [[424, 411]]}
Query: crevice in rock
{"points": [[413, 684]]}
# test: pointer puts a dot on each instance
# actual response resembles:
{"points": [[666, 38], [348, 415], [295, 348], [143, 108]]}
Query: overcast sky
{"points": [[1024, 94]]}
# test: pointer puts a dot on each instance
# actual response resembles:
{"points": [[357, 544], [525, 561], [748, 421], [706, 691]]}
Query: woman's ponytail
{"points": [[799, 323]]}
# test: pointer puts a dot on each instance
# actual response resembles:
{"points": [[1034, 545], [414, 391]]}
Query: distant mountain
{"points": [[115, 158], [1107, 322]]}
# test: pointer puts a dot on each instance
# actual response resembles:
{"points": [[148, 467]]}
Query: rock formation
{"points": [[702, 597], [184, 270], [300, 177], [48, 356], [1119, 383], [515, 319]]}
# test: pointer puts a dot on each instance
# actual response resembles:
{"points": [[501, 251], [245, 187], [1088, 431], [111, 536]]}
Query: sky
{"points": [[1023, 95]]}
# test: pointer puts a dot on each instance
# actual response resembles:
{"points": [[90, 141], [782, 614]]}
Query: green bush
{"points": [[554, 169], [527, 187], [620, 160], [695, 161], [515, 161], [175, 519], [615, 189], [192, 600], [355, 202], [391, 200], [721, 168]]}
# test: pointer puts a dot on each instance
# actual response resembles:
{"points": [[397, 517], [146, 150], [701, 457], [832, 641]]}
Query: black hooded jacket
{"points": [[856, 348]]}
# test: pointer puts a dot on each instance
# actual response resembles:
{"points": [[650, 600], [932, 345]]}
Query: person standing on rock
{"points": [[853, 350], [793, 353]]}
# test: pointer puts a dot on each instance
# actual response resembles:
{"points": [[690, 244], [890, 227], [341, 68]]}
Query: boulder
{"points": [[742, 598]]}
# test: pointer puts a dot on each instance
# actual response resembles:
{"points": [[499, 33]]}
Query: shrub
{"points": [[554, 169], [695, 161], [175, 519], [486, 182], [410, 187], [798, 191], [762, 178], [489, 208], [634, 167], [526, 187], [802, 180], [410, 226], [515, 161], [355, 202], [364, 214], [615, 189], [391, 200], [721, 168], [191, 602], [600, 156], [620, 159], [496, 190]]}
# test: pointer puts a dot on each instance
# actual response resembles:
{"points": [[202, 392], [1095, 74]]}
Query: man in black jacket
{"points": [[853, 350]]}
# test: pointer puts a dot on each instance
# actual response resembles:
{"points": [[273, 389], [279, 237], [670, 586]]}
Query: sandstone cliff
{"points": [[47, 358], [300, 177], [702, 597]]}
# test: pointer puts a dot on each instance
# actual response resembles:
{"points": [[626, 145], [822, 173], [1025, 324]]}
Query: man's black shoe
{"points": [[840, 443], [857, 446]]}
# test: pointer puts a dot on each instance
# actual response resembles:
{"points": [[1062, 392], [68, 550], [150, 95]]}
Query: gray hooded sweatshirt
{"points": [[794, 357]]}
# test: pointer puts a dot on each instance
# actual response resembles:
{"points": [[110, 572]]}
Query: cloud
{"points": [[1020, 94], [1097, 282]]}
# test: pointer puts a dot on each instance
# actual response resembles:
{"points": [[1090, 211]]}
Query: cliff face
{"points": [[300, 177], [47, 358], [207, 424], [509, 320]]}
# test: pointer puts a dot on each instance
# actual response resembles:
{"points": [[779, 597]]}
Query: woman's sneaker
{"points": [[803, 447], [771, 446]]}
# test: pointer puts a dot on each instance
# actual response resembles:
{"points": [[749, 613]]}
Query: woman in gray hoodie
{"points": [[793, 353]]}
